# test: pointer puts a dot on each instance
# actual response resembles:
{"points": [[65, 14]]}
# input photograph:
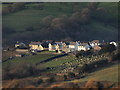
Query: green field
{"points": [[59, 64], [31, 58], [32, 17]]}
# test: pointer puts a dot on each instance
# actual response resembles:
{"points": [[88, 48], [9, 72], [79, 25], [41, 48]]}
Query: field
{"points": [[105, 74], [32, 17], [31, 58], [109, 74], [62, 64]]}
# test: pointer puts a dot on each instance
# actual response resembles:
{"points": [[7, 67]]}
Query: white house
{"points": [[72, 46], [114, 43], [84, 47]]}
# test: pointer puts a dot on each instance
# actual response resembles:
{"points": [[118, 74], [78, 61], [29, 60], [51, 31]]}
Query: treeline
{"points": [[76, 26]]}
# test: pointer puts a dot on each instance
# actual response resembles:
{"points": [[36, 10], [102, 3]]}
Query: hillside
{"points": [[73, 21], [108, 76]]}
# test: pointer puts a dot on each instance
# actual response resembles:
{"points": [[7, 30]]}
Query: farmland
{"points": [[25, 68], [109, 74], [59, 65], [31, 58]]}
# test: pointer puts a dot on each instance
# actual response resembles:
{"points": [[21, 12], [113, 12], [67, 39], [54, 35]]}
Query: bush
{"points": [[84, 53], [20, 71], [71, 75], [50, 80], [37, 82], [91, 67], [107, 48]]}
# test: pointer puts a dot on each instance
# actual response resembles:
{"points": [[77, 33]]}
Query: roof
{"points": [[95, 41], [55, 43], [35, 43], [67, 43], [59, 43], [47, 41], [72, 43], [83, 44]]}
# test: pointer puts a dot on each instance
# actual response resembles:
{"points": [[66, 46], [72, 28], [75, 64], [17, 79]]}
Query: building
{"points": [[36, 46], [55, 46], [65, 47], [94, 43], [20, 45], [72, 46], [114, 43], [84, 47]]}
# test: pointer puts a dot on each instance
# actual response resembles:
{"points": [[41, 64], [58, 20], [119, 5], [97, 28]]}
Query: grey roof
{"points": [[55, 43], [83, 44], [35, 43]]}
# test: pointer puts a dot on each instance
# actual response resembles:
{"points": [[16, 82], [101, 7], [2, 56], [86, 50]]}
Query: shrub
{"points": [[107, 48], [71, 75], [50, 80], [84, 53], [20, 71]]}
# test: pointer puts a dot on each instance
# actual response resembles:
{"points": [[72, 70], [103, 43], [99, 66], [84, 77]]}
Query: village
{"points": [[57, 47]]}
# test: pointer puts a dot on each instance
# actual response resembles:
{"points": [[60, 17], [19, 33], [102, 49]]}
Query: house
{"points": [[55, 46], [94, 43], [114, 43], [45, 44], [36, 46], [72, 46], [20, 45], [51, 47], [65, 47], [84, 47]]}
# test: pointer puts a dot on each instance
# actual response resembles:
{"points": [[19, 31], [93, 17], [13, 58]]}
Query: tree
{"points": [[18, 6], [65, 77], [71, 75], [108, 48], [51, 80]]}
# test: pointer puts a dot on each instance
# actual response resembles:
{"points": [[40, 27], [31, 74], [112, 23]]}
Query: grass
{"points": [[30, 59], [58, 61], [32, 17], [106, 74], [65, 63]]}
